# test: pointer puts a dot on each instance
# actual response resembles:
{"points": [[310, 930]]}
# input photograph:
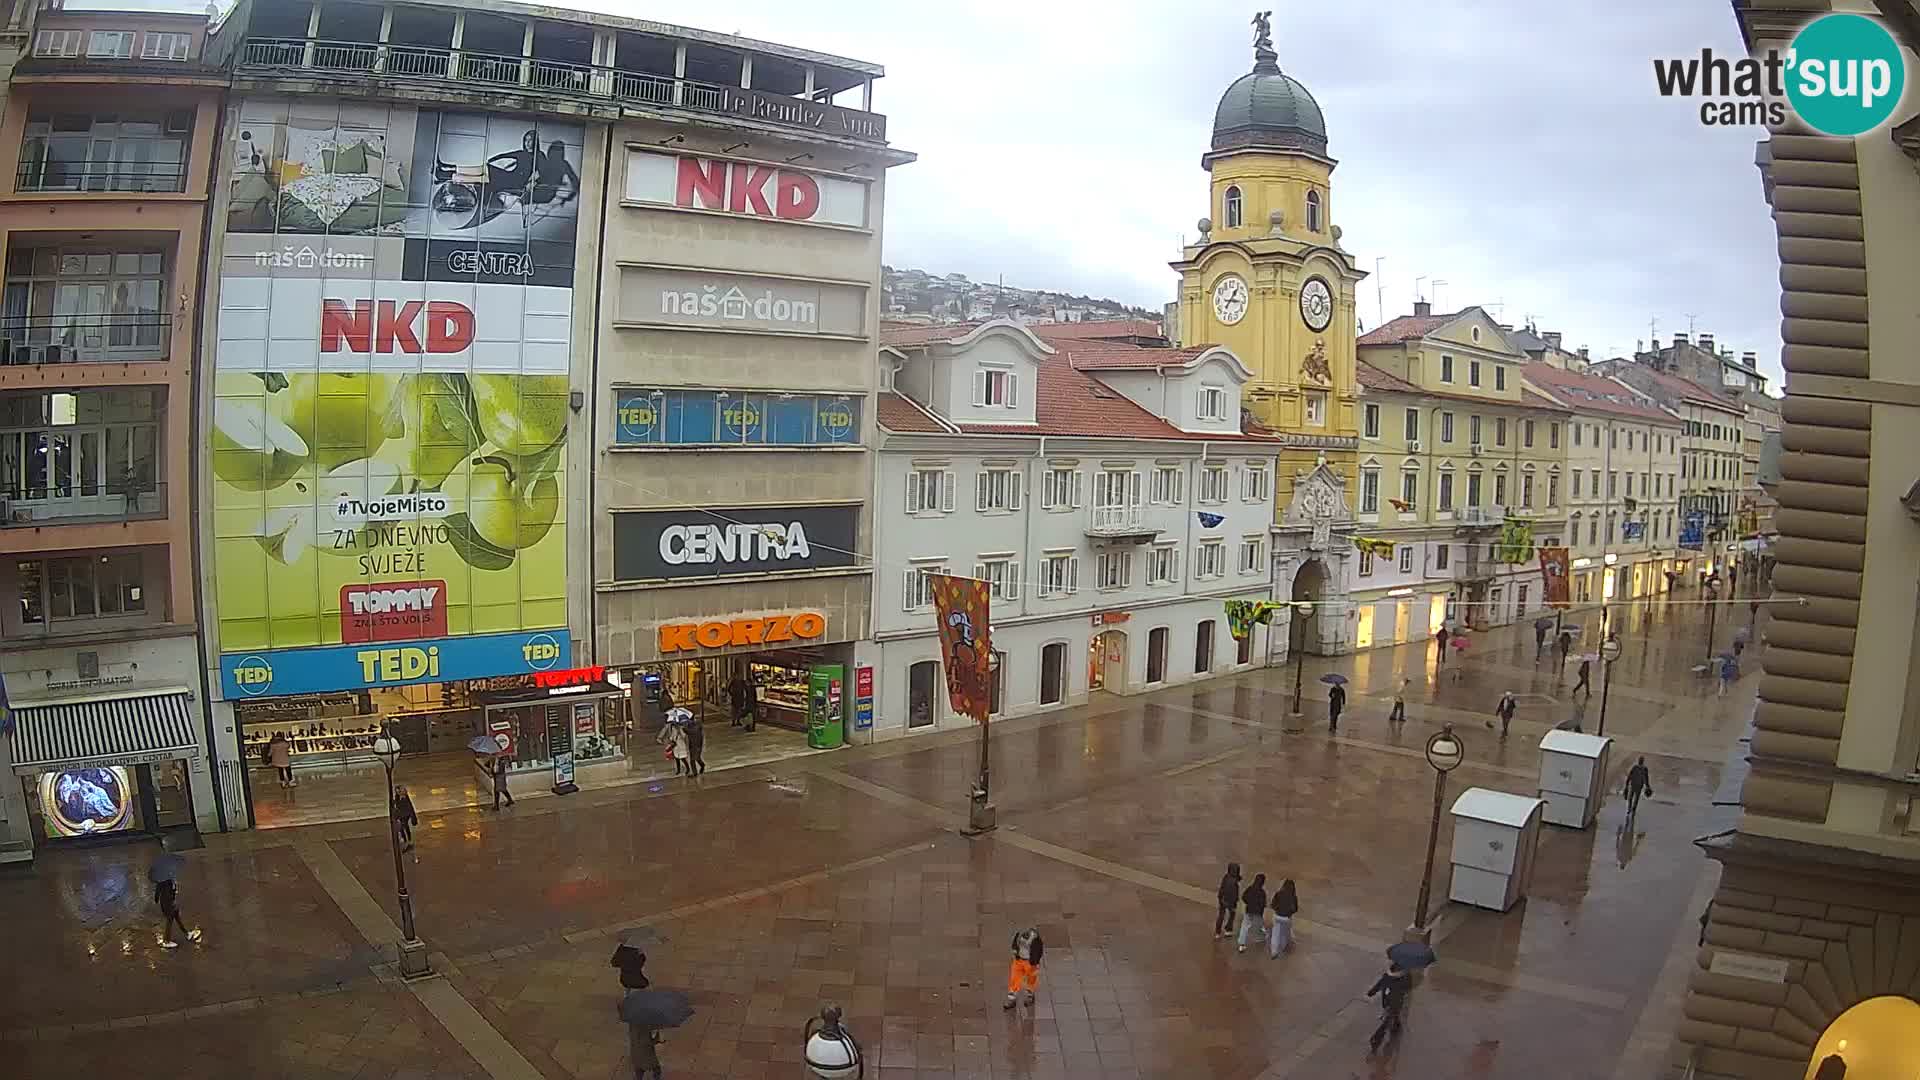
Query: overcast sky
{"points": [[1515, 149]]}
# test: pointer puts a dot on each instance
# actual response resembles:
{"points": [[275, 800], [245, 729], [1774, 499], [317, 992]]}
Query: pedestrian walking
{"points": [[500, 782], [167, 895], [1280, 913], [1228, 898], [1399, 713], [1638, 784], [737, 694], [404, 819], [1565, 645], [643, 1045], [674, 737], [1539, 641], [1729, 671], [1393, 988], [1255, 902], [1024, 972], [1586, 674], [1440, 637], [696, 746], [1336, 701], [1505, 710], [280, 756], [632, 964]]}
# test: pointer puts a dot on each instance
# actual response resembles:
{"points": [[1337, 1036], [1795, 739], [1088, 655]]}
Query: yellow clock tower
{"points": [[1268, 277]]}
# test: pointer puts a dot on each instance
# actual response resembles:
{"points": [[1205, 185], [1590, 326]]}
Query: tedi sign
{"points": [[750, 188]]}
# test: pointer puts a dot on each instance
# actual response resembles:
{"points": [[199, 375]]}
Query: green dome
{"points": [[1267, 108]]}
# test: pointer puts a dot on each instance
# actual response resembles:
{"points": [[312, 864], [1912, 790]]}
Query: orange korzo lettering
{"points": [[779, 629], [675, 637]]}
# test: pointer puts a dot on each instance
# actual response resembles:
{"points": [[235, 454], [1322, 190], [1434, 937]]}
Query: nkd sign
{"points": [[750, 188], [652, 296], [679, 544]]}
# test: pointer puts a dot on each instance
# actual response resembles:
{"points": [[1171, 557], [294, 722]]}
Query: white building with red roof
{"points": [[1111, 493]]}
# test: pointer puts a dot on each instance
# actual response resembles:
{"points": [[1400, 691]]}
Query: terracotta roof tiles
{"points": [[897, 412], [1098, 329], [1405, 328], [1582, 392]]}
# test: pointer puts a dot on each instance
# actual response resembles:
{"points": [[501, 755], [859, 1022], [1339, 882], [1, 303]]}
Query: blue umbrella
{"points": [[1411, 955], [484, 744], [166, 866], [656, 1008], [1334, 679]]}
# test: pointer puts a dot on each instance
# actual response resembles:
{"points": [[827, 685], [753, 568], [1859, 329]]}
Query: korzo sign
{"points": [[655, 544]]}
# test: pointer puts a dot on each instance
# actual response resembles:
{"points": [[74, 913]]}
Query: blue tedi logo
{"points": [[1844, 75]]}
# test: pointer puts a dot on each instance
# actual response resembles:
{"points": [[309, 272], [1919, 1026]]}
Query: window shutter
{"points": [[1013, 581], [980, 571], [979, 386], [980, 489], [946, 490], [1015, 481], [1073, 574], [1013, 390], [1133, 488], [1077, 491], [907, 589], [913, 492], [1173, 565]]}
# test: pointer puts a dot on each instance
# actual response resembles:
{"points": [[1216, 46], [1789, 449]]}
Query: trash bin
{"points": [[1573, 776], [1494, 835]]}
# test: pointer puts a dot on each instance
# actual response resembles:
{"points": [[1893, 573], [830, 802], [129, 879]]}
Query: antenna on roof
{"points": [[1690, 317], [1437, 282], [1416, 288], [1379, 293]]}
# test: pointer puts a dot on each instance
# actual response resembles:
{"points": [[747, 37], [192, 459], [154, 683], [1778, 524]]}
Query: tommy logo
{"points": [[393, 611]]}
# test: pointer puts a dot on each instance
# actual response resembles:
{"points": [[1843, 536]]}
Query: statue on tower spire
{"points": [[1264, 58]]}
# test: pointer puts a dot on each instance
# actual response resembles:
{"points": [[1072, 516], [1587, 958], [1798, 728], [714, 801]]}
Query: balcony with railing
{"points": [[100, 176], [588, 64], [102, 338], [1121, 521], [82, 502]]}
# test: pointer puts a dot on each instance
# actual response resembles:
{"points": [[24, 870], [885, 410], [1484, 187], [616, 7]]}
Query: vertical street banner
{"points": [[391, 395], [966, 642], [1553, 571], [1516, 540]]}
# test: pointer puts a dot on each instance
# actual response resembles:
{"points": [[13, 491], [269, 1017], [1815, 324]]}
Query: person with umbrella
{"points": [[1565, 645], [1586, 674], [500, 791], [1392, 988], [1459, 643], [1540, 628], [1729, 671], [1336, 699], [674, 736], [1638, 784], [1740, 639], [167, 895], [645, 1012]]}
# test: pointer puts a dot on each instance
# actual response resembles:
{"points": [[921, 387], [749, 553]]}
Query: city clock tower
{"points": [[1268, 277]]}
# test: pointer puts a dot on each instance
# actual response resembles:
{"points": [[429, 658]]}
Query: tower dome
{"points": [[1266, 108]]}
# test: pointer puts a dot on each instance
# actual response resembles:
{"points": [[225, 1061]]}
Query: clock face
{"points": [[1230, 299], [1316, 304]]}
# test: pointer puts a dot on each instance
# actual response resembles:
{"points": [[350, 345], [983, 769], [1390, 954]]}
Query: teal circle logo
{"points": [[1845, 74]]}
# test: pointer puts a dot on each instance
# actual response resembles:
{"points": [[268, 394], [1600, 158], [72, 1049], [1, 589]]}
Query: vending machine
{"points": [[826, 706]]}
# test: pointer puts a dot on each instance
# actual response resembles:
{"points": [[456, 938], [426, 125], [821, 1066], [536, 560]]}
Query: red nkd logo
{"points": [[386, 326], [740, 188], [393, 611]]}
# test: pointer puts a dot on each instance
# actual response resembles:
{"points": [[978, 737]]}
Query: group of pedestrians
{"points": [[1268, 916]]}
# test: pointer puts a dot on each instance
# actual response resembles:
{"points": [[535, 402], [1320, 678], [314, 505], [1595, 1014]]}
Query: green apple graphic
{"points": [[444, 432], [252, 448], [288, 531], [521, 414], [343, 417], [505, 510]]}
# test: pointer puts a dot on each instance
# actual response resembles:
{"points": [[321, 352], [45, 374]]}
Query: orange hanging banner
{"points": [[966, 644]]}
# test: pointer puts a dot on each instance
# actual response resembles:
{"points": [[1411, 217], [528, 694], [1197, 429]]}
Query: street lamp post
{"points": [[413, 951], [1609, 652], [1302, 611], [1444, 753], [981, 815]]}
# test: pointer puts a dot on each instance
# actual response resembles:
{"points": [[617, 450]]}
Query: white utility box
{"points": [[1494, 835], [1573, 776]]}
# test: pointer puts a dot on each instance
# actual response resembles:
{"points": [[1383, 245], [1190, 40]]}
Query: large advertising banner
{"points": [[391, 398]]}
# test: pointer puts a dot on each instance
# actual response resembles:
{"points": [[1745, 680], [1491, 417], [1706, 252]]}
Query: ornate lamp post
{"points": [[413, 951], [981, 815], [1444, 753], [1302, 610], [1609, 652]]}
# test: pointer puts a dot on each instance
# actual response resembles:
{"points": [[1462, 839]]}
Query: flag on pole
{"points": [[966, 642], [1553, 569], [6, 710]]}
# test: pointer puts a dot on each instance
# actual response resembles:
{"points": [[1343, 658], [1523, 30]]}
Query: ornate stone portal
{"points": [[1311, 547]]}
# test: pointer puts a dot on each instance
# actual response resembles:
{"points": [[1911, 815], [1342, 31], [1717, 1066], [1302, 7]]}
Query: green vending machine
{"points": [[826, 706]]}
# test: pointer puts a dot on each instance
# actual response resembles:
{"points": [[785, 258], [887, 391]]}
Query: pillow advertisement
{"points": [[391, 400]]}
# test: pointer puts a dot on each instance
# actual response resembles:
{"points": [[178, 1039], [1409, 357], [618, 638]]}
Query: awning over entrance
{"points": [[120, 729]]}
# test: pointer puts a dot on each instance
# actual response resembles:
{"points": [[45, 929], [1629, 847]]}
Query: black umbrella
{"points": [[656, 1008], [166, 867], [1544, 624], [1333, 679], [1411, 955]]}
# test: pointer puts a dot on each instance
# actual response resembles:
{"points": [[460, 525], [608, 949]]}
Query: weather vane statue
{"points": [[1264, 58]]}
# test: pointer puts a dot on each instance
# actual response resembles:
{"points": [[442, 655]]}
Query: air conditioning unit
{"points": [[1474, 449], [1413, 446]]}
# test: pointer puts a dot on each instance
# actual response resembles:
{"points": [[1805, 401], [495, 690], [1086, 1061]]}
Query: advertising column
{"points": [[391, 398]]}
